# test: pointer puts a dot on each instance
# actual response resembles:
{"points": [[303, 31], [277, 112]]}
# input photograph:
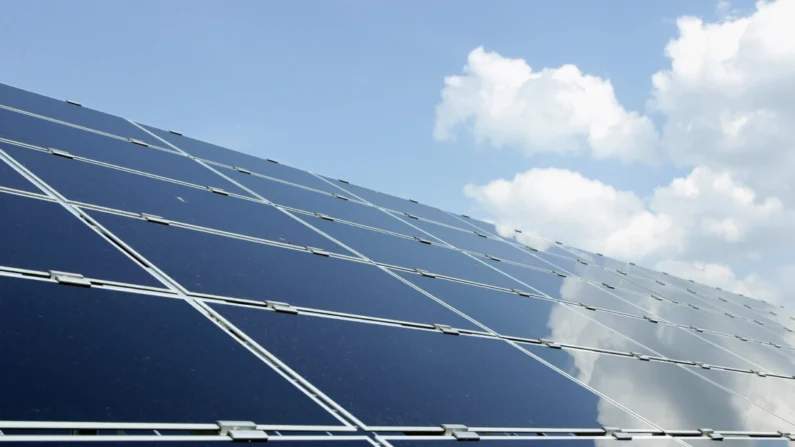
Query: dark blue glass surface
{"points": [[404, 205], [43, 235], [76, 354], [86, 441], [409, 253], [303, 199], [391, 376], [674, 293], [512, 441], [222, 155], [510, 314], [45, 134], [10, 178], [63, 111], [666, 394], [112, 188]]}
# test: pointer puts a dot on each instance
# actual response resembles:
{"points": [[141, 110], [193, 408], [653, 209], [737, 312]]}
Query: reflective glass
{"points": [[10, 178], [510, 314], [81, 116], [409, 253], [392, 376], [225, 156], [43, 235], [45, 134], [80, 354], [543, 441], [112, 188], [749, 442], [768, 358], [674, 293], [220, 442], [404, 205], [306, 200], [670, 396]]}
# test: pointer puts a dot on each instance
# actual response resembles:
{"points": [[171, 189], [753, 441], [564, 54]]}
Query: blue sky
{"points": [[350, 89], [346, 89]]}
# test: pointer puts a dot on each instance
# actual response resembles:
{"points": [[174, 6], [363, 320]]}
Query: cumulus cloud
{"points": [[504, 102]]}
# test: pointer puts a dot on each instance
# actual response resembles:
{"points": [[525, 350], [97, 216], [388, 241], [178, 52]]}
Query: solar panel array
{"points": [[154, 287]]}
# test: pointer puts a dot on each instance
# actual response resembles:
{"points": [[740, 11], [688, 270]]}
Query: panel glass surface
{"points": [[306, 200], [63, 111], [409, 253], [254, 164], [78, 354], [668, 395], [674, 293], [404, 205], [379, 374], [220, 442], [768, 358], [112, 188], [510, 314], [542, 441], [43, 235], [10, 178], [45, 134]]}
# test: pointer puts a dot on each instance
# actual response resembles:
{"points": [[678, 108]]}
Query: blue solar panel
{"points": [[77, 354], [392, 377], [203, 313], [43, 235]]}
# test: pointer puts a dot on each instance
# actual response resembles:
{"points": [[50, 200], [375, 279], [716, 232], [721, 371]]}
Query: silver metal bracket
{"points": [[425, 273], [493, 258], [640, 356], [272, 160], [60, 153], [621, 436], [280, 306], [343, 181], [551, 344], [693, 306], [697, 329], [242, 170], [248, 435], [530, 248], [339, 196], [759, 322], [588, 306], [422, 241], [517, 230], [466, 436], [741, 337], [691, 291], [656, 297], [632, 263], [74, 103], [582, 262], [659, 282], [449, 429], [608, 286], [324, 217], [749, 307], [317, 251], [722, 300], [479, 234], [706, 431], [215, 190], [413, 201], [155, 219], [559, 242], [520, 292], [560, 274], [446, 329], [174, 132], [704, 365], [411, 216], [760, 373], [70, 279], [599, 254], [715, 436], [729, 315], [651, 319], [224, 427], [621, 272], [465, 216], [137, 141]]}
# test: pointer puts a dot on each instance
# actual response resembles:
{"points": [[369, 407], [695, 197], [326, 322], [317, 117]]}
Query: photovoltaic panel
{"points": [[70, 113], [219, 442], [10, 178], [372, 370], [84, 354], [46, 134], [668, 395], [43, 235], [525, 441]]}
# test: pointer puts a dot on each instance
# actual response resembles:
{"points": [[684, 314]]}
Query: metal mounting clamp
{"points": [[697, 329], [280, 306], [493, 258], [411, 216], [749, 307], [224, 427], [516, 230], [621, 436], [242, 170], [551, 344], [248, 435], [704, 365], [715, 436], [582, 262], [425, 273], [560, 274], [339, 196], [317, 251], [422, 241], [272, 160], [215, 190], [479, 234], [599, 254], [324, 217], [729, 315], [343, 181], [640, 356], [155, 219], [175, 132], [706, 431], [741, 337], [60, 153], [530, 248], [446, 329], [587, 306], [651, 319], [659, 282], [693, 306], [656, 297], [559, 242], [520, 292], [608, 286], [74, 103], [621, 272], [465, 216], [691, 291], [759, 322], [632, 263], [722, 300], [137, 141], [70, 279], [413, 201]]}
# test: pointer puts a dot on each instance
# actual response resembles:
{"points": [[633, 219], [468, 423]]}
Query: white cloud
{"points": [[727, 97], [504, 102]]}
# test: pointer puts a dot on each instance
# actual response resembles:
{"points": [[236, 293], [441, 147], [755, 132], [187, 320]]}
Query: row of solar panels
{"points": [[348, 341]]}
